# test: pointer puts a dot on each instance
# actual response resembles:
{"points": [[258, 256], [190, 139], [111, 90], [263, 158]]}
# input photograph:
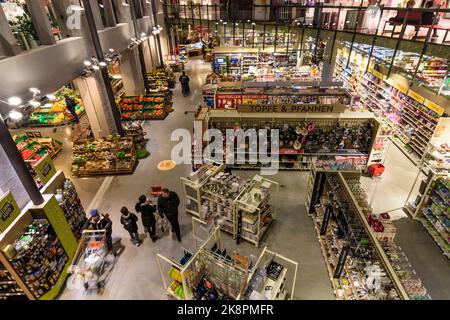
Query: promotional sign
{"points": [[9, 210], [253, 98], [229, 101], [293, 108], [376, 73], [45, 169]]}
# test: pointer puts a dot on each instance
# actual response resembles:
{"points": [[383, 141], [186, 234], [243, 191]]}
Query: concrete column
{"points": [[41, 21], [147, 7], [61, 7], [327, 66], [123, 13], [11, 182], [97, 15], [109, 13], [8, 44], [96, 102], [147, 56], [131, 72]]}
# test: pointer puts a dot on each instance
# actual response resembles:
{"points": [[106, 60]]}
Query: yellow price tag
{"points": [[433, 106], [416, 96]]}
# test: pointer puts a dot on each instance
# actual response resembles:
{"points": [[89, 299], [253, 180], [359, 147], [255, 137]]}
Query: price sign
{"points": [[416, 96], [433, 106]]}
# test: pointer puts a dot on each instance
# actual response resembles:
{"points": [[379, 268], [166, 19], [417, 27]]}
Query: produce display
{"points": [[146, 107], [55, 112], [38, 257], [134, 130], [104, 156], [160, 79], [33, 150], [70, 203]]}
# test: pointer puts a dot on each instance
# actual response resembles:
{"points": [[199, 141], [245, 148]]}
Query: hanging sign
{"points": [[45, 169], [326, 220], [416, 96], [433, 106], [9, 210], [397, 85], [292, 108]]}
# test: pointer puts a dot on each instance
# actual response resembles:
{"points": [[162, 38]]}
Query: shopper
{"points": [[168, 204], [129, 219], [147, 210], [184, 80], [204, 51], [70, 106], [106, 224], [97, 223]]}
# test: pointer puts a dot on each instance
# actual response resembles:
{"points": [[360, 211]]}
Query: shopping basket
{"points": [[376, 169]]}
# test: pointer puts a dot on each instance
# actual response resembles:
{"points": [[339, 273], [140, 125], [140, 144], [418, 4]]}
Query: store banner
{"points": [[341, 262], [416, 96], [292, 108], [433, 106], [9, 210], [45, 169]]}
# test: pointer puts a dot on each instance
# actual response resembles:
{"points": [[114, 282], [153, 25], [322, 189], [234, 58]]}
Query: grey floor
{"points": [[135, 273]]}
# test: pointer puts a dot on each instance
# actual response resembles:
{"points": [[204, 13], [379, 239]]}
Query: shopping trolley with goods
{"points": [[90, 257]]}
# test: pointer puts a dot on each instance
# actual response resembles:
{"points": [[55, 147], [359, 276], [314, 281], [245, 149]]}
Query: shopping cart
{"points": [[90, 257], [154, 192]]}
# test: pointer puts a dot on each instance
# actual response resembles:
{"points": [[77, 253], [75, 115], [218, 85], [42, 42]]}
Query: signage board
{"points": [[292, 108], [9, 210]]}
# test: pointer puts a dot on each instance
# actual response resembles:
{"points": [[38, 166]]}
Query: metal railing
{"points": [[416, 24]]}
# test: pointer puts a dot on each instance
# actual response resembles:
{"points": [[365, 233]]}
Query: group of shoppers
{"points": [[166, 207]]}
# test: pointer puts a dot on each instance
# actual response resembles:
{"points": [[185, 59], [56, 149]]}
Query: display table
{"points": [[112, 155]]}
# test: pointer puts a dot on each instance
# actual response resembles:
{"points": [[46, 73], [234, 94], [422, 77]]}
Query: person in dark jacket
{"points": [[184, 80], [97, 223], [129, 219], [147, 210], [168, 204], [70, 105]]}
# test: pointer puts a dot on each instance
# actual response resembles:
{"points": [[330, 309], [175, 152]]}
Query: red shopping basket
{"points": [[376, 170]]}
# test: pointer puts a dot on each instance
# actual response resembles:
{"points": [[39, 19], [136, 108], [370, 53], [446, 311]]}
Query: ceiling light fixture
{"points": [[14, 101]]}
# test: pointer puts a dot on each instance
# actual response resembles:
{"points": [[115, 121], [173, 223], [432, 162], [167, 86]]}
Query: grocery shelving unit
{"points": [[241, 207], [37, 248], [289, 158], [147, 107], [345, 230], [233, 276], [413, 113], [135, 130]]}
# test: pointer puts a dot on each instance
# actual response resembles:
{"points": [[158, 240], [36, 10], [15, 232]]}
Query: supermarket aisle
{"points": [[136, 274], [390, 194]]}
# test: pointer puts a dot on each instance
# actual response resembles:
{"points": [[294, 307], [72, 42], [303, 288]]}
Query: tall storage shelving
{"points": [[414, 114], [354, 246]]}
